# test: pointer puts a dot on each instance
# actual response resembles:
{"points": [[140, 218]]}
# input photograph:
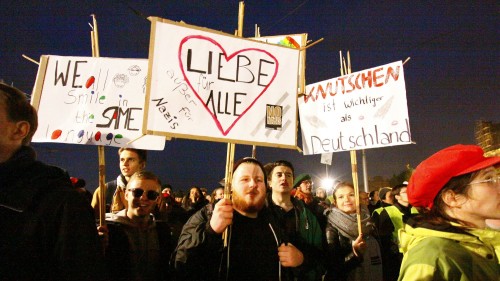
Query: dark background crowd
{"points": [[441, 224]]}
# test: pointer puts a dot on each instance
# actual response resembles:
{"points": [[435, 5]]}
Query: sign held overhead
{"points": [[208, 85], [361, 110], [93, 101]]}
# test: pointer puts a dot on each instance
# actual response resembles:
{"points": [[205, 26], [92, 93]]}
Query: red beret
{"points": [[433, 173]]}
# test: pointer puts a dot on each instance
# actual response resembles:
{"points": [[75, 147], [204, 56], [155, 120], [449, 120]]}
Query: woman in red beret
{"points": [[456, 191]]}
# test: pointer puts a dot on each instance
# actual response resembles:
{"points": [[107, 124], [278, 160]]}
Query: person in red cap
{"points": [[456, 190]]}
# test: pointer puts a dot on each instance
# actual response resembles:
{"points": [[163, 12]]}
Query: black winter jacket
{"points": [[340, 257], [200, 253], [47, 229]]}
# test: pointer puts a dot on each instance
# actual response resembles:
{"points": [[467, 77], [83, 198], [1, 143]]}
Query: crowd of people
{"points": [[274, 224]]}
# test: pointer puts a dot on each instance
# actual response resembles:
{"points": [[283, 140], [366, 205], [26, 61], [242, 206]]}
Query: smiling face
{"points": [[219, 194], [140, 207], [345, 200], [281, 179]]}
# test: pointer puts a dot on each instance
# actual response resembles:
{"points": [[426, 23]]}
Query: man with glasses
{"points": [[389, 220], [47, 229], [139, 247], [131, 161], [304, 185], [456, 190]]}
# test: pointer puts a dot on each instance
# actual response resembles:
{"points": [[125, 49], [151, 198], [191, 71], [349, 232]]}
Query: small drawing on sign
{"points": [[120, 80], [134, 70]]}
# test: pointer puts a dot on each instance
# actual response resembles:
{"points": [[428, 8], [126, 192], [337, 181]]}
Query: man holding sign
{"points": [[255, 250]]}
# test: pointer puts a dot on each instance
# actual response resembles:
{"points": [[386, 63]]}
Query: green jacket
{"points": [[307, 237], [440, 255], [308, 225]]}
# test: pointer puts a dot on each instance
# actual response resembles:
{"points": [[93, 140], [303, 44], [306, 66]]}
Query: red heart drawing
{"points": [[227, 58]]}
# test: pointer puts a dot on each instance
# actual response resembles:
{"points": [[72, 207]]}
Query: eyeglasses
{"points": [[494, 180], [150, 194]]}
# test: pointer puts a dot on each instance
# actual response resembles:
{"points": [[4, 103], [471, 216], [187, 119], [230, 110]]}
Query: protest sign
{"points": [[326, 158], [296, 41], [360, 110], [208, 85], [95, 101]]}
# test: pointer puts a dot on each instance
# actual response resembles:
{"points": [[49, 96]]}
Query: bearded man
{"points": [[254, 249]]}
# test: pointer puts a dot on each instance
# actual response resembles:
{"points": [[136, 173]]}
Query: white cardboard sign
{"points": [[361, 110], [209, 85], [94, 101]]}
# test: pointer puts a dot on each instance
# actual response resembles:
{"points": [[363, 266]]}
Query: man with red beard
{"points": [[254, 248]]}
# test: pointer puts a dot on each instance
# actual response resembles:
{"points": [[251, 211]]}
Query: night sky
{"points": [[450, 78]]}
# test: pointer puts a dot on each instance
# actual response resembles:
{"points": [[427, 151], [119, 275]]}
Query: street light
{"points": [[327, 184]]}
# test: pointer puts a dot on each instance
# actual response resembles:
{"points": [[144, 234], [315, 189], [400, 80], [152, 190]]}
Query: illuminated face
{"points": [[346, 202], [219, 194], [167, 190], [402, 198], [306, 186], [482, 200], [249, 188], [194, 195], [141, 207], [321, 193], [281, 179], [130, 163]]}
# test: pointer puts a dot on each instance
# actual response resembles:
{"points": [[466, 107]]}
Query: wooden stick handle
{"points": [[241, 16], [355, 183], [102, 185], [30, 59], [100, 149], [227, 181]]}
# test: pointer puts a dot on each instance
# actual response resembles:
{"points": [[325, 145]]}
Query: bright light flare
{"points": [[327, 184]]}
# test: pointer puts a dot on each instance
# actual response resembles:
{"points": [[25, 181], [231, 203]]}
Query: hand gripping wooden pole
{"points": [[231, 146]]}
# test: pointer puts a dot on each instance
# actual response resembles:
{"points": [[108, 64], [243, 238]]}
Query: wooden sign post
{"points": [[231, 146], [100, 149], [346, 69]]}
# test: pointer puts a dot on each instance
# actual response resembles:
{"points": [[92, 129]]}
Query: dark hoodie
{"points": [[135, 253], [47, 229]]}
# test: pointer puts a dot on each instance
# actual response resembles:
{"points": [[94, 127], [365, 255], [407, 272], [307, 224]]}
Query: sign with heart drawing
{"points": [[209, 85]]}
